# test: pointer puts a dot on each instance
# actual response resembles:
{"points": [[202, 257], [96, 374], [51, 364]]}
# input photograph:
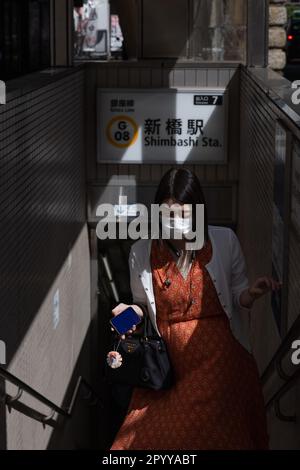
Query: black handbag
{"points": [[145, 359]]}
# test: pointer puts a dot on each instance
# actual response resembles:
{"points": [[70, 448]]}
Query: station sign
{"points": [[162, 125]]}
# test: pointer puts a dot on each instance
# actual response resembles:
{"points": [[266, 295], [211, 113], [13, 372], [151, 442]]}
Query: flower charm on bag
{"points": [[114, 359]]}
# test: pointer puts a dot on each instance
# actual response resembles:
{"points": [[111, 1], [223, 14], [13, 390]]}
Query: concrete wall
{"points": [[44, 248]]}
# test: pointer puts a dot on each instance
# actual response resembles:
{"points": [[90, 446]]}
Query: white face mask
{"points": [[177, 225]]}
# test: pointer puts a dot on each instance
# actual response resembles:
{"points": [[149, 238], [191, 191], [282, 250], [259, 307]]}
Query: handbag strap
{"points": [[149, 330]]}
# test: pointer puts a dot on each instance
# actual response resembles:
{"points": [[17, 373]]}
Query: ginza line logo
{"points": [[2, 352]]}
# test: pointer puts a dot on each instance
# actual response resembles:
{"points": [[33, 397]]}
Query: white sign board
{"points": [[162, 125]]}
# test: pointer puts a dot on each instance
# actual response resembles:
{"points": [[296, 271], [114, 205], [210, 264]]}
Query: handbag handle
{"points": [[148, 327]]}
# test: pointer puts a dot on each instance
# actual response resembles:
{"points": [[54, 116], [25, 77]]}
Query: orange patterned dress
{"points": [[217, 401]]}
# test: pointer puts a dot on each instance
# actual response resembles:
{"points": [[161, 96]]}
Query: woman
{"points": [[197, 301]]}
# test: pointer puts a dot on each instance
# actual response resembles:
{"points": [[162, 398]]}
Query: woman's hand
{"points": [[262, 286], [120, 308]]}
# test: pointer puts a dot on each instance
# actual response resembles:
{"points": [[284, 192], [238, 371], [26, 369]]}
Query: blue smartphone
{"points": [[125, 320]]}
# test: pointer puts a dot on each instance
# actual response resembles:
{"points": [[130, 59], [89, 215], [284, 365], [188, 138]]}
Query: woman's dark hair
{"points": [[183, 186]]}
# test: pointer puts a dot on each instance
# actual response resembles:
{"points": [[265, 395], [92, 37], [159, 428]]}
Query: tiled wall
{"points": [[44, 249], [258, 119]]}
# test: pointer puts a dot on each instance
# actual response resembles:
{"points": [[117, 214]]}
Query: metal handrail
{"points": [[275, 362], [275, 399], [276, 365], [64, 411]]}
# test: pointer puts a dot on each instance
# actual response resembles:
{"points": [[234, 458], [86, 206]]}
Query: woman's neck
{"points": [[180, 244]]}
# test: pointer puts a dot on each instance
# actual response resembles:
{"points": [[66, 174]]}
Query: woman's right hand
{"points": [[120, 308]]}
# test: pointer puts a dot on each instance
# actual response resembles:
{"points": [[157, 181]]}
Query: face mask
{"points": [[177, 225]]}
